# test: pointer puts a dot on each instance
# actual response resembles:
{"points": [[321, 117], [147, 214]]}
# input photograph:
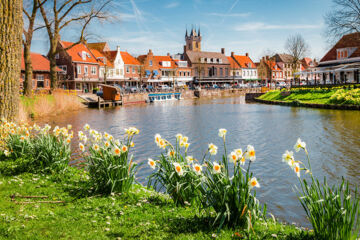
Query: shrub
{"points": [[176, 172], [342, 96], [109, 165], [331, 210]]}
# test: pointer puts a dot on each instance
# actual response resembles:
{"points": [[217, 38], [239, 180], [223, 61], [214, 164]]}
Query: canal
{"points": [[332, 137]]}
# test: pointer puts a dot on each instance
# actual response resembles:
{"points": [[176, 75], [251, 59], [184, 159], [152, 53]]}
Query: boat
{"points": [[159, 97]]}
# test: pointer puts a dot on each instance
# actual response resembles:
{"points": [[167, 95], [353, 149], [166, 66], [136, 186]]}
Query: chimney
{"points": [[150, 52], [223, 50], [263, 58], [168, 54], [247, 54], [267, 57], [118, 48], [232, 54], [184, 48]]}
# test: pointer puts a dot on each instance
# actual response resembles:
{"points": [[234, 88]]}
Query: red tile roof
{"points": [[273, 65], [76, 52], [159, 60], [38, 62], [102, 59], [128, 59], [349, 40], [233, 63], [244, 61]]}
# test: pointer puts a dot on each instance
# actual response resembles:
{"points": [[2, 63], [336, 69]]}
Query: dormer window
{"points": [[220, 60], [83, 55], [249, 65], [342, 53]]}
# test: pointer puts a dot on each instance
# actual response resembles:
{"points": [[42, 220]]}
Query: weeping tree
{"points": [[30, 10], [297, 47], [11, 25], [343, 19], [59, 15]]}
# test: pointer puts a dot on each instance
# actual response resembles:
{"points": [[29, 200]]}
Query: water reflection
{"points": [[332, 137]]}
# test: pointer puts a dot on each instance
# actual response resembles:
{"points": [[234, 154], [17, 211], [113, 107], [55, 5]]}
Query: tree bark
{"points": [[11, 25], [52, 59], [28, 71]]}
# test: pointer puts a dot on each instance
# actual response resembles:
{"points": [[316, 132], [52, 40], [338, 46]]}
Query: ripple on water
{"points": [[332, 137]]}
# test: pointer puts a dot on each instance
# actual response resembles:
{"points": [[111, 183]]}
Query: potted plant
{"points": [[95, 90]]}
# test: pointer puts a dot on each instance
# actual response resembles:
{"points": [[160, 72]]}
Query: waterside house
{"points": [[243, 68], [269, 71], [80, 66], [41, 72], [341, 64]]}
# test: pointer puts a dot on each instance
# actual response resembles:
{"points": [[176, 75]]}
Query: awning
{"points": [[155, 72], [147, 72]]}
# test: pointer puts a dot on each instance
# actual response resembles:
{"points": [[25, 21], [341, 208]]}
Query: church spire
{"points": [[186, 33], [199, 34]]}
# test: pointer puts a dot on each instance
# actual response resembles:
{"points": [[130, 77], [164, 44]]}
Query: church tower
{"points": [[193, 42]]}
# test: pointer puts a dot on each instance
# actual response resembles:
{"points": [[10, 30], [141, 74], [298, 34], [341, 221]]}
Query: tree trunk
{"points": [[52, 59], [11, 26], [28, 71]]}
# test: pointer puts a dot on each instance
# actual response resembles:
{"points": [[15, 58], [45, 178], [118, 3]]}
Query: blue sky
{"points": [[253, 26]]}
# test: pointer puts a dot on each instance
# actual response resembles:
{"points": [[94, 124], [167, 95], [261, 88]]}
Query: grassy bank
{"points": [[337, 96], [48, 104], [139, 214]]}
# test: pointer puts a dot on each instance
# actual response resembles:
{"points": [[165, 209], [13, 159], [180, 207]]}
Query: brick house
{"points": [[245, 68], [286, 63], [41, 72], [150, 71], [80, 65], [269, 71]]}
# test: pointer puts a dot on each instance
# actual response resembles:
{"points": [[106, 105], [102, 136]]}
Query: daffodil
{"points": [[107, 144], [299, 144], [6, 153], [106, 135], [22, 138], [242, 160], [179, 137], [212, 149], [124, 148], [69, 126], [117, 151], [222, 132], [162, 143], [297, 169], [117, 142], [216, 167], [197, 168], [157, 139], [238, 152], [132, 144], [185, 139], [68, 140], [86, 127], [81, 147], [151, 163], [250, 153], [171, 153], [287, 156], [253, 183], [178, 169], [189, 159], [233, 157], [96, 147]]}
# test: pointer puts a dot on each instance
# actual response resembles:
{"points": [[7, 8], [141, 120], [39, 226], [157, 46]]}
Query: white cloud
{"points": [[254, 26], [172, 5], [230, 14], [126, 17]]}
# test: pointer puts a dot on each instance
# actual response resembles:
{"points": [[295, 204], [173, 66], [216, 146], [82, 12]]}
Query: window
{"points": [[226, 72], [150, 63], [249, 65], [127, 69], [221, 72], [40, 81], [93, 70], [83, 55], [133, 69], [220, 60], [117, 71], [57, 56], [86, 70], [78, 69], [64, 68]]}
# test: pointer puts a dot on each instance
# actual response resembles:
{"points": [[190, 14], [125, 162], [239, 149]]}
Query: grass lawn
{"points": [[141, 214], [309, 97]]}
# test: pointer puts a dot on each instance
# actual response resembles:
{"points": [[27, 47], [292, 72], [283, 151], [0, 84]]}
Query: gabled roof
{"points": [[100, 46], [349, 40], [76, 52], [233, 63], [195, 57], [101, 58], [273, 65], [38, 63], [160, 59], [285, 58], [128, 59], [244, 61]]}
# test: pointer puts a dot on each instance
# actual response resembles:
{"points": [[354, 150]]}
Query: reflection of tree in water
{"points": [[342, 133]]}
